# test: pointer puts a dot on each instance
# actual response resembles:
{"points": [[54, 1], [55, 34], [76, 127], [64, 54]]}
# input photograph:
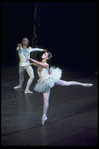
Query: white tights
{"points": [[46, 94], [68, 83], [21, 76]]}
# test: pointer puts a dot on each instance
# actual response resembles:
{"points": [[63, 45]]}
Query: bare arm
{"points": [[39, 63], [33, 64]]}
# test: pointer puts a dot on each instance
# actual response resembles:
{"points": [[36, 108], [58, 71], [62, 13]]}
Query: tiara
{"points": [[50, 54]]}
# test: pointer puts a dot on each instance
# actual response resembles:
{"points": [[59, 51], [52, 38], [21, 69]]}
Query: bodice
{"points": [[42, 72]]}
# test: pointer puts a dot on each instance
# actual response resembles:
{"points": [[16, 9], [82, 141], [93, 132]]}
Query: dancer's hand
{"points": [[19, 45], [44, 50], [27, 59]]}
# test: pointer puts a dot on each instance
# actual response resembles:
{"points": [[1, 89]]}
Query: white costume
{"points": [[24, 54], [24, 65], [47, 78]]}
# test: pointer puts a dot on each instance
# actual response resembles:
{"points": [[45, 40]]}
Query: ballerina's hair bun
{"points": [[49, 55]]}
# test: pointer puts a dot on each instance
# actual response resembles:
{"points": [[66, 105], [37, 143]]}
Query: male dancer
{"points": [[24, 53]]}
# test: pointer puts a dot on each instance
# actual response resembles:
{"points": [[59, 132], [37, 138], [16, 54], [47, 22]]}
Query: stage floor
{"points": [[72, 114]]}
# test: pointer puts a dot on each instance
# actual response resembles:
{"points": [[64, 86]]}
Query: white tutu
{"points": [[47, 78]]}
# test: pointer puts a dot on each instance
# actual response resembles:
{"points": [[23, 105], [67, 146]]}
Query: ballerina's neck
{"points": [[43, 60]]}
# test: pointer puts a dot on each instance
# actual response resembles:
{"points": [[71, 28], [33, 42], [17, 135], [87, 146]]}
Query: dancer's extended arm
{"points": [[39, 63], [36, 49], [33, 64]]}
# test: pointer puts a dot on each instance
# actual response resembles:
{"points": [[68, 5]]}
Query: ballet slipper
{"points": [[87, 84], [44, 118], [28, 91], [18, 87]]}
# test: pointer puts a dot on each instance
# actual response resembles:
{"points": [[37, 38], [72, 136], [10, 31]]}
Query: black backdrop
{"points": [[68, 30]]}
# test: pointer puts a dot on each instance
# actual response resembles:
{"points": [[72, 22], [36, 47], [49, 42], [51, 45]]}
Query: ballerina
{"points": [[48, 78]]}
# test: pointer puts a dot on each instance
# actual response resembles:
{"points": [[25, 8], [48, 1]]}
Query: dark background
{"points": [[69, 32]]}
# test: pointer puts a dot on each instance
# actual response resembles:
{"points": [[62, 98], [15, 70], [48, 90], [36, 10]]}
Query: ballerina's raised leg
{"points": [[46, 94], [68, 83]]}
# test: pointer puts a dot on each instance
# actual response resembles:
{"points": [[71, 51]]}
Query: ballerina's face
{"points": [[45, 55]]}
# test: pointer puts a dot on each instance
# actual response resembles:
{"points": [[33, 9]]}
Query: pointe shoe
{"points": [[18, 87], [44, 118], [28, 91], [87, 85]]}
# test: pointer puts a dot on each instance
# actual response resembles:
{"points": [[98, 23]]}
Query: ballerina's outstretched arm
{"points": [[39, 63], [33, 64], [68, 83]]}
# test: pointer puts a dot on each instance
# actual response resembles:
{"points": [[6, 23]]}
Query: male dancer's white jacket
{"points": [[24, 54]]}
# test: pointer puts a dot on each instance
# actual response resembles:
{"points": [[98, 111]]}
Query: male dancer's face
{"points": [[25, 42]]}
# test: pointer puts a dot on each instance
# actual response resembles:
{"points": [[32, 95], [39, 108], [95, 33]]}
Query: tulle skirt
{"points": [[48, 81]]}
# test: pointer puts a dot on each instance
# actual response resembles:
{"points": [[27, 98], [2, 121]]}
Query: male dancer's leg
{"points": [[68, 83], [31, 77], [21, 77], [46, 95]]}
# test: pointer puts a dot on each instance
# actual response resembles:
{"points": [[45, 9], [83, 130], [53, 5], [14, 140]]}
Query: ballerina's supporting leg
{"points": [[46, 95], [68, 83]]}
